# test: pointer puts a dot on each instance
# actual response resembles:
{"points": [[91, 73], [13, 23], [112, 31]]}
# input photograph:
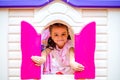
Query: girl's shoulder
{"points": [[69, 44]]}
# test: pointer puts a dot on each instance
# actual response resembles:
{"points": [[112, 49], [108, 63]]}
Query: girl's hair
{"points": [[51, 44]]}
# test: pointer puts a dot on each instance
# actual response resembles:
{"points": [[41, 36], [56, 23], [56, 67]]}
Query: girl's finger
{"points": [[80, 68], [37, 64], [35, 60]]}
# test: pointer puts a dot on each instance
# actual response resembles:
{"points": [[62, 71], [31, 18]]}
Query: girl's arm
{"points": [[72, 58], [75, 66], [41, 59]]}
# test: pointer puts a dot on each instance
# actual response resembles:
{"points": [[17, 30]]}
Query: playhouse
{"points": [[76, 13]]}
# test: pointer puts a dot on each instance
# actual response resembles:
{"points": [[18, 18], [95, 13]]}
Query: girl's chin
{"points": [[60, 45]]}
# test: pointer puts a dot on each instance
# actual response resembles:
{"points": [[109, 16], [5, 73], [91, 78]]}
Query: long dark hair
{"points": [[51, 44]]}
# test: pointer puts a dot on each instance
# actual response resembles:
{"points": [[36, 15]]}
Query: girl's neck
{"points": [[60, 47]]}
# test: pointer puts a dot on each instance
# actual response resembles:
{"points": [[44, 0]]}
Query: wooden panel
{"points": [[21, 12], [99, 20], [101, 78], [14, 63], [94, 13], [14, 29], [14, 55], [101, 55], [101, 38], [14, 38], [101, 46], [102, 29], [101, 63], [17, 20], [101, 72], [14, 46], [15, 72], [14, 78]]}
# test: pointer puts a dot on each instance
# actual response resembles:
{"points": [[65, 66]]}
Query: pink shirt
{"points": [[58, 61]]}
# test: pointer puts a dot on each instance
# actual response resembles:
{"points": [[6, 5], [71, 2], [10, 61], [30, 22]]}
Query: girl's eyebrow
{"points": [[55, 33], [62, 33]]}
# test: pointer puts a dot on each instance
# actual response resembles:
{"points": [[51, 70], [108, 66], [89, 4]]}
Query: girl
{"points": [[60, 50]]}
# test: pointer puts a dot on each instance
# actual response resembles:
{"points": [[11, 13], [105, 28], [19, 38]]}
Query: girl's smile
{"points": [[59, 36]]}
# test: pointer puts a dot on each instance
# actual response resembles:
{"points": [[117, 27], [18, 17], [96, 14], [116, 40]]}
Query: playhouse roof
{"points": [[76, 3]]}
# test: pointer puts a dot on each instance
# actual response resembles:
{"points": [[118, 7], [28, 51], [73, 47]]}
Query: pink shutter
{"points": [[84, 51], [30, 45]]}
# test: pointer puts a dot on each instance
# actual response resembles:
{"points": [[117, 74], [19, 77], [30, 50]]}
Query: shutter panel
{"points": [[30, 45], [84, 51]]}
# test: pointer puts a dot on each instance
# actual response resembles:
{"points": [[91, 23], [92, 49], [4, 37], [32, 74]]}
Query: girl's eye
{"points": [[55, 35], [63, 34]]}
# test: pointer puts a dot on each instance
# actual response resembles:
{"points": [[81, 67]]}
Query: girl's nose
{"points": [[60, 37]]}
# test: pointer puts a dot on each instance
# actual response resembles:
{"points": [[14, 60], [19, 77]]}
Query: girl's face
{"points": [[59, 36]]}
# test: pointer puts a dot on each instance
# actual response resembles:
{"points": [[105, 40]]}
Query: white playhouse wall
{"points": [[105, 19]]}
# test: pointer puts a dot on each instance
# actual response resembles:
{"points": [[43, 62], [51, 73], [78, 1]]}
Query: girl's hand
{"points": [[38, 60], [76, 66]]}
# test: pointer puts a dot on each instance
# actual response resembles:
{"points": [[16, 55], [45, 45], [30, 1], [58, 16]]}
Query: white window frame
{"points": [[114, 44], [3, 44]]}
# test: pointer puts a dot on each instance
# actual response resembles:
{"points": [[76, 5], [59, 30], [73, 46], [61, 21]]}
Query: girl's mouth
{"points": [[60, 40]]}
